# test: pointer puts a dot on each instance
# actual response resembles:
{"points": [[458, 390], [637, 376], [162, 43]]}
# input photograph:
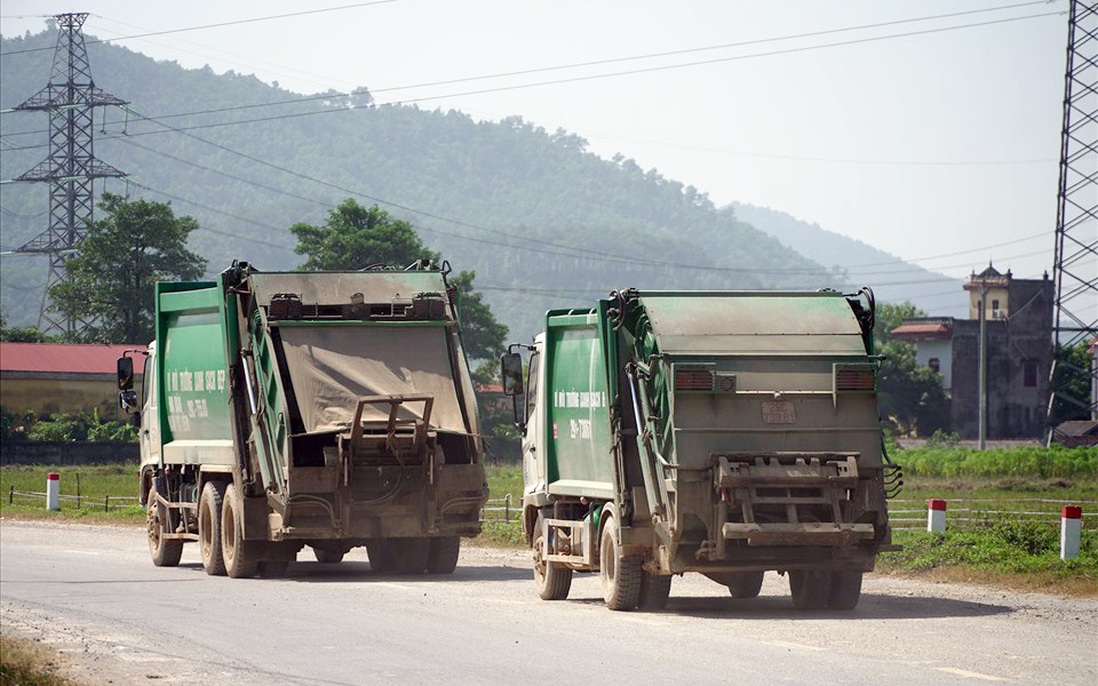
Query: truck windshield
{"points": [[332, 367]]}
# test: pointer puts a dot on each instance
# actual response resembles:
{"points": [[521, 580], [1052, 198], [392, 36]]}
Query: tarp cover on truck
{"points": [[754, 324], [331, 367]]}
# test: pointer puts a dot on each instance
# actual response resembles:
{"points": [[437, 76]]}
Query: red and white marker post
{"points": [[935, 515], [53, 491], [1071, 527]]}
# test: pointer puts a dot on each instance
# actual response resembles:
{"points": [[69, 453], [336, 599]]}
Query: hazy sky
{"points": [[943, 143]]}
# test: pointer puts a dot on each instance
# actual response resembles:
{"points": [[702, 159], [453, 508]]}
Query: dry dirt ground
{"points": [[99, 650]]}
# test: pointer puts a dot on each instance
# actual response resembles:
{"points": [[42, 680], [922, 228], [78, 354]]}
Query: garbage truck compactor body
{"points": [[722, 433], [325, 409]]}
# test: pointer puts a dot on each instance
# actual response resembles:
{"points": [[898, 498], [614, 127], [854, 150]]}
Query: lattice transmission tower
{"points": [[71, 166], [1076, 259]]}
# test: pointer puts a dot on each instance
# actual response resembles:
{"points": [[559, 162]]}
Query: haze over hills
{"points": [[542, 221], [892, 279]]}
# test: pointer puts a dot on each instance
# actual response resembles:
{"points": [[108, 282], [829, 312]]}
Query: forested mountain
{"points": [[542, 221], [892, 279]]}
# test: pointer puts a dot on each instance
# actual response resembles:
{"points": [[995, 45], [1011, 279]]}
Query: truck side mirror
{"points": [[127, 400], [125, 373], [511, 364]]}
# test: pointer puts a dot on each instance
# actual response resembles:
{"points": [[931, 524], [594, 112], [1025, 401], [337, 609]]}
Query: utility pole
{"points": [[982, 372], [71, 166], [1075, 272]]}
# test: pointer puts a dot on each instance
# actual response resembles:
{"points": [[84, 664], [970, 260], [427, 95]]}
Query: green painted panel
{"points": [[194, 385], [578, 423]]}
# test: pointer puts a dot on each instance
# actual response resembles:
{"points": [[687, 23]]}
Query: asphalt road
{"points": [[92, 593]]}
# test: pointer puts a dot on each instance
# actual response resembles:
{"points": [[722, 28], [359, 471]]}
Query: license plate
{"points": [[779, 412]]}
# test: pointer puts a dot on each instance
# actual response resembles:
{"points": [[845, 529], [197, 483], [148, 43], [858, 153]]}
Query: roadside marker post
{"points": [[935, 515], [1071, 527], [53, 491]]}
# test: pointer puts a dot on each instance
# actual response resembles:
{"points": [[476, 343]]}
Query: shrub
{"points": [[112, 432], [59, 428]]}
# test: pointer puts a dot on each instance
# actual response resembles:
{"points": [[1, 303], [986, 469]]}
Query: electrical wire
{"points": [[572, 249], [237, 22], [330, 96]]}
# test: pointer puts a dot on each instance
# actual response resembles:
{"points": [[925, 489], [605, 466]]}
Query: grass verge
{"points": [[25, 663], [1005, 551], [1020, 555]]}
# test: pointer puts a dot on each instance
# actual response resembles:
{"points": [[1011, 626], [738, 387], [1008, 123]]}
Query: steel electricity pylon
{"points": [[71, 166], [1076, 259]]}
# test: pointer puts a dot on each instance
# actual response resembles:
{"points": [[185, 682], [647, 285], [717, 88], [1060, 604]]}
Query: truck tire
{"points": [[380, 552], [553, 579], [328, 555], [654, 591], [846, 590], [410, 555], [810, 588], [620, 575], [164, 552], [240, 560], [442, 556], [743, 584], [209, 527]]}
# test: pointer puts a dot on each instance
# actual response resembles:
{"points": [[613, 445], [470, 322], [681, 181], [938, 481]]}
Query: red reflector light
{"points": [[855, 380], [693, 380]]}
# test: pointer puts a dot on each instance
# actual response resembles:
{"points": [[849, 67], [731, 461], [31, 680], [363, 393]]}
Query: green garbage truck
{"points": [[324, 409], [726, 433]]}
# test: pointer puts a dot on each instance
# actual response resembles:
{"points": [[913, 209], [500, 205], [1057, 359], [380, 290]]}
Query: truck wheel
{"points": [[654, 590], [846, 590], [328, 555], [380, 552], [620, 575], [442, 555], [553, 579], [209, 527], [164, 552], [410, 556], [744, 584], [240, 561], [810, 588]]}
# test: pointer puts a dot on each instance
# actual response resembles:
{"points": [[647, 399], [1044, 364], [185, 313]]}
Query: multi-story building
{"points": [[1018, 315]]}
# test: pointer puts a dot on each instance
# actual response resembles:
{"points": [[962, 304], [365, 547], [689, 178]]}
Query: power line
{"points": [[854, 271], [720, 60], [851, 272], [576, 252], [331, 96], [559, 247], [213, 26], [261, 241], [739, 44]]}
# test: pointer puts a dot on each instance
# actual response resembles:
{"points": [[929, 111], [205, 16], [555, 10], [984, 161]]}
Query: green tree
{"points": [[28, 334], [911, 396], [109, 282], [1072, 383], [481, 334], [355, 237]]}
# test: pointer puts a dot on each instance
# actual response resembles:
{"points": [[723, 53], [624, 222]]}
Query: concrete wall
{"points": [[33, 452], [51, 394], [943, 350]]}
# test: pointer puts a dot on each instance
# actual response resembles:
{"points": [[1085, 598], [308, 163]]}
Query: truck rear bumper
{"points": [[807, 533]]}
